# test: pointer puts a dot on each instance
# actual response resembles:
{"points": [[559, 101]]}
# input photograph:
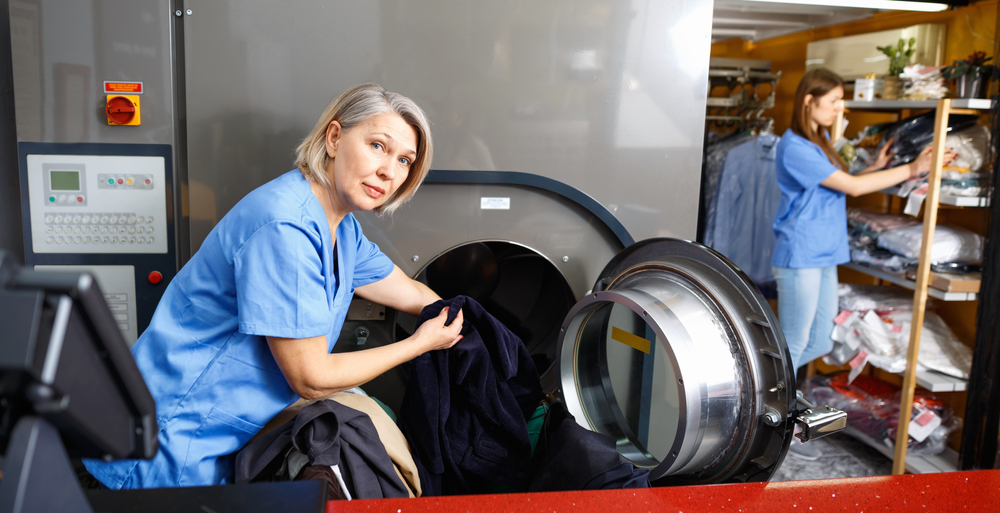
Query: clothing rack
{"points": [[743, 106]]}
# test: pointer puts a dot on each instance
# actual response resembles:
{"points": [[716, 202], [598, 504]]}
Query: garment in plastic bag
{"points": [[951, 243], [873, 256], [746, 203], [871, 224], [972, 147], [940, 349], [911, 135], [875, 297], [715, 158], [872, 408]]}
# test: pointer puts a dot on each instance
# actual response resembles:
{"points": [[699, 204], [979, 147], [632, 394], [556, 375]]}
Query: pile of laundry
{"points": [[473, 420], [893, 242], [874, 327]]}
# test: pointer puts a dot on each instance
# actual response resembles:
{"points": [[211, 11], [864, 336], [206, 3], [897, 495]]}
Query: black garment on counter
{"points": [[570, 457], [328, 433], [465, 409]]}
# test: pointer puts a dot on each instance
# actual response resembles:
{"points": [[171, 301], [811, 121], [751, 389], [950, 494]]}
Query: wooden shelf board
{"points": [[937, 382], [950, 199], [956, 103], [898, 279], [947, 461]]}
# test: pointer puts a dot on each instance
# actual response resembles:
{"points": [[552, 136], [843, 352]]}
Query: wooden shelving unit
{"points": [[912, 377]]}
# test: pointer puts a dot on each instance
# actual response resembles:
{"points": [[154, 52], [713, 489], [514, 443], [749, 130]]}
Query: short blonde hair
{"points": [[356, 105]]}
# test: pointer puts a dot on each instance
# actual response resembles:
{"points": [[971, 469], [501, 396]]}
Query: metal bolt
{"points": [[415, 258], [772, 418], [777, 388], [178, 12], [565, 259], [189, 12]]}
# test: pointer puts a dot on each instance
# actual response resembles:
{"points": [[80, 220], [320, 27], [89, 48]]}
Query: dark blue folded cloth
{"points": [[465, 409], [570, 457]]}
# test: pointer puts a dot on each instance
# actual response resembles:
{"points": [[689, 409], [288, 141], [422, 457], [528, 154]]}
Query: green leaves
{"points": [[899, 55]]}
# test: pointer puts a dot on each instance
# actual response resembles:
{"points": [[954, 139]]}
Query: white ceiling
{"points": [[762, 20]]}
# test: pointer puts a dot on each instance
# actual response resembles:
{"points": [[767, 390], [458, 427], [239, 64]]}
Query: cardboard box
{"points": [[867, 89], [952, 282]]}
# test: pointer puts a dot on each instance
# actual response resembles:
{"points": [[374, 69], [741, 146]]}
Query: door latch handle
{"points": [[818, 421]]}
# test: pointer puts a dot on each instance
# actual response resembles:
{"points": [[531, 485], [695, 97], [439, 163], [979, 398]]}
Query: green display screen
{"points": [[65, 180]]}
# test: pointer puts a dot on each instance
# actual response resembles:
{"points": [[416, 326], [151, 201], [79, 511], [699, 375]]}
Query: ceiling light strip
{"points": [[896, 5]]}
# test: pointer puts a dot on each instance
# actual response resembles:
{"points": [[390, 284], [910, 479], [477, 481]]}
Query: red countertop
{"points": [[935, 493]]}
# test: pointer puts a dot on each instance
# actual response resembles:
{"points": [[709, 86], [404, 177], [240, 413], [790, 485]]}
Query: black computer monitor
{"points": [[67, 379]]}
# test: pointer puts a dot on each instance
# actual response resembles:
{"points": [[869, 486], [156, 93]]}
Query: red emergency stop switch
{"points": [[123, 109], [155, 277]]}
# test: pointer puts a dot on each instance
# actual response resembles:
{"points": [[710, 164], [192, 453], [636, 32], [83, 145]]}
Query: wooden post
{"points": [[920, 293]]}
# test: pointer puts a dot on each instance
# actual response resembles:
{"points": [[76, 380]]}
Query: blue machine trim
{"points": [[539, 182]]}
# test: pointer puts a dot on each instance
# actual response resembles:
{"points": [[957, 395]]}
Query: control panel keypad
{"points": [[100, 228]]}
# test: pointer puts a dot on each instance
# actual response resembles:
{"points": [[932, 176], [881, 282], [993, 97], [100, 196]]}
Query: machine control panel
{"points": [[97, 204]]}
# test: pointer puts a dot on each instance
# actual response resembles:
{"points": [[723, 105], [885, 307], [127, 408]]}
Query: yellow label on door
{"points": [[630, 340]]}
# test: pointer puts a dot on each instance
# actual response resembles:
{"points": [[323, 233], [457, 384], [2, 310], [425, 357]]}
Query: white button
{"points": [[97, 240], [114, 219], [48, 229], [140, 220], [120, 316], [104, 229], [48, 219], [58, 240], [113, 229], [142, 240], [149, 229], [49, 240], [131, 220], [58, 229], [123, 326], [61, 199], [104, 240], [76, 219], [118, 307], [104, 219], [131, 229], [58, 219], [76, 229], [131, 240], [114, 240], [86, 240], [77, 239], [86, 219], [95, 219], [149, 220], [149, 240], [86, 229]]}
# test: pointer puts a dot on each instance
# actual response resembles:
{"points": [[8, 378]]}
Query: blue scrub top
{"points": [[810, 227], [267, 269]]}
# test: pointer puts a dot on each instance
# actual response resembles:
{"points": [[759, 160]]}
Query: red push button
{"points": [[155, 277], [121, 110]]}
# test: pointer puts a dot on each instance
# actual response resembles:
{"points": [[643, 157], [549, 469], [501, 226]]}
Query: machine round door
{"points": [[678, 357]]}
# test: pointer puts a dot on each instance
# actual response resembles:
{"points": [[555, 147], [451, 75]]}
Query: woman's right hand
{"points": [[922, 164], [434, 334]]}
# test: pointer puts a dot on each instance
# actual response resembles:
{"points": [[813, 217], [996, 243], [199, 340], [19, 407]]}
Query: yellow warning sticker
{"points": [[633, 341]]}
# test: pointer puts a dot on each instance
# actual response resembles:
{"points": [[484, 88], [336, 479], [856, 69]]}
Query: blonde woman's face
{"points": [[825, 108], [369, 162]]}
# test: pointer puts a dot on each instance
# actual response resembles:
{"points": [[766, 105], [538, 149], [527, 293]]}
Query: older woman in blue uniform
{"points": [[246, 327], [811, 223]]}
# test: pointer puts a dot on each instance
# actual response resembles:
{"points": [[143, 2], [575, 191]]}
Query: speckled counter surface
{"points": [[935, 493]]}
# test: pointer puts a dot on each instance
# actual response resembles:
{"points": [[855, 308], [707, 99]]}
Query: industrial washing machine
{"points": [[568, 147]]}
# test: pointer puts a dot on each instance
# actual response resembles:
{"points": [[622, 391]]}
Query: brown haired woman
{"points": [[810, 226]]}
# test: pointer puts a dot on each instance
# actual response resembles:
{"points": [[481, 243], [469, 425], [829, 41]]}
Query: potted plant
{"points": [[899, 58], [970, 74]]}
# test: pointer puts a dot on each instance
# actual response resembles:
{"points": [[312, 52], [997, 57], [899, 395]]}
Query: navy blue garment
{"points": [[571, 457], [465, 409], [328, 433]]}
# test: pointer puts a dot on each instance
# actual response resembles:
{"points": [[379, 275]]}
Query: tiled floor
{"points": [[843, 456]]}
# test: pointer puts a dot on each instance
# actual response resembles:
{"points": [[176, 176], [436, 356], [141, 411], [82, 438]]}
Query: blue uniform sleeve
{"points": [[371, 264], [805, 165], [281, 288]]}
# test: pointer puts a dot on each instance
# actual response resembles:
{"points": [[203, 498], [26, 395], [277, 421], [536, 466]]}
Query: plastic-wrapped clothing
{"points": [[951, 243], [875, 297], [872, 224], [328, 433], [747, 199], [913, 134], [570, 457], [465, 409], [715, 159]]}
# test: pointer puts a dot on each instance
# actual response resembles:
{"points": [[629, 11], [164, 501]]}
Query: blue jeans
{"points": [[807, 305]]}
